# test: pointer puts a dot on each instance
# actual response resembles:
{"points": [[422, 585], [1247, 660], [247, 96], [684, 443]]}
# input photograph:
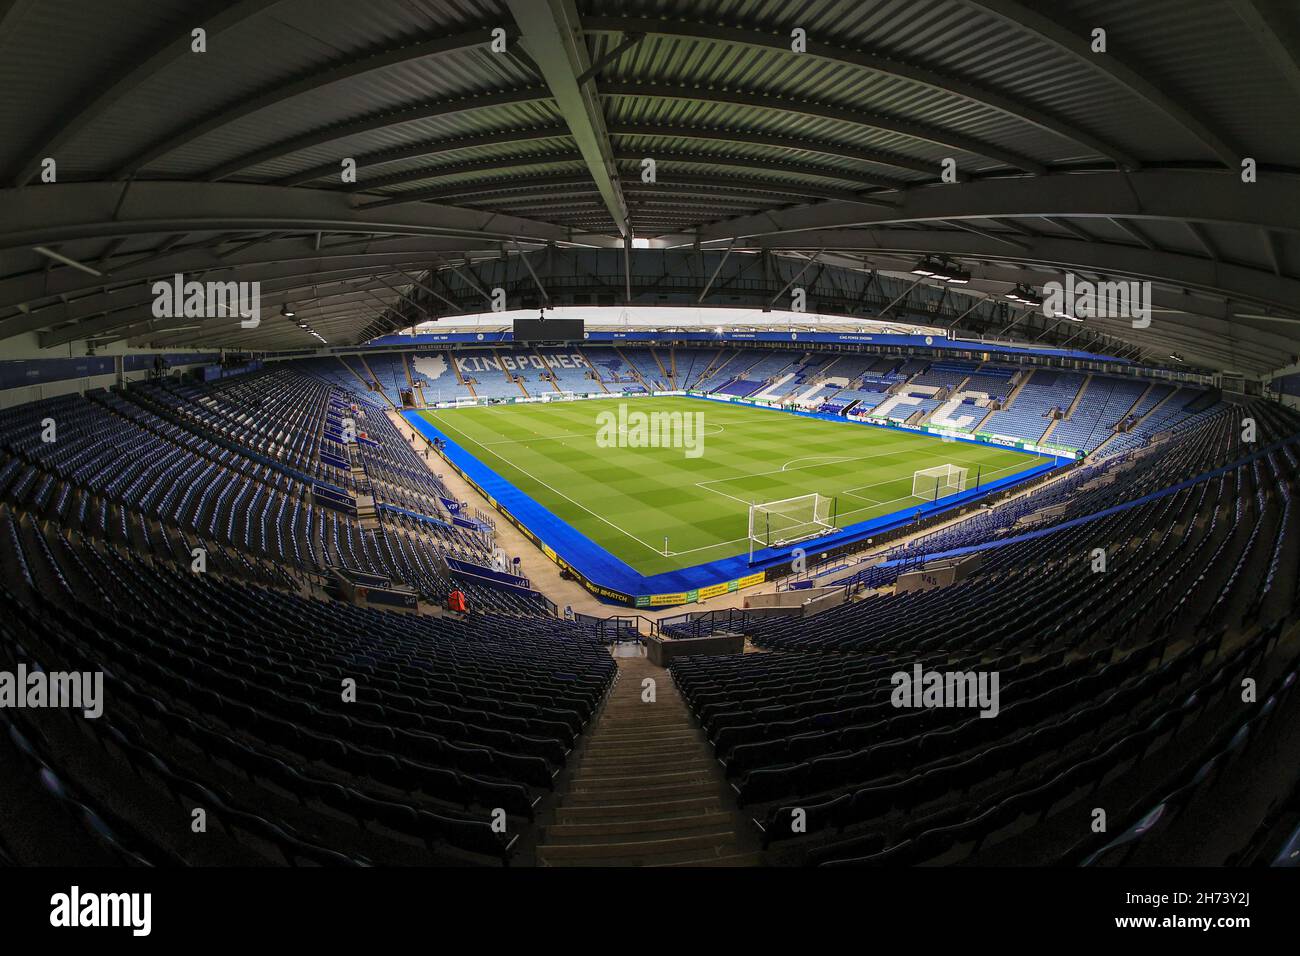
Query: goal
{"points": [[775, 524], [931, 484], [558, 396]]}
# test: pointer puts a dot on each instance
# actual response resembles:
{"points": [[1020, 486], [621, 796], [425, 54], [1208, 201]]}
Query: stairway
{"points": [[1069, 412], [451, 361], [645, 789], [595, 372], [378, 387], [1015, 392], [636, 372]]}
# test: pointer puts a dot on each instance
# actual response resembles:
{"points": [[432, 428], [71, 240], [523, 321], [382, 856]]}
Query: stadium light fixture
{"points": [[287, 312], [1024, 295], [941, 269]]}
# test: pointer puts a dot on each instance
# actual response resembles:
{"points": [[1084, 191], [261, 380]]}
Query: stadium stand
{"points": [[1202, 530], [834, 384], [959, 529]]}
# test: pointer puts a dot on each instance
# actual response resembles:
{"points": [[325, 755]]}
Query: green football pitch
{"points": [[629, 499]]}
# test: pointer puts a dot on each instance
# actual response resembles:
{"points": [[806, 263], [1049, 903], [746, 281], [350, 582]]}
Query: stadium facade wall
{"points": [[793, 339]]}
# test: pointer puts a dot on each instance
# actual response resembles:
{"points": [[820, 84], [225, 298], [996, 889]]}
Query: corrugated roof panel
{"points": [[56, 54], [537, 113]]}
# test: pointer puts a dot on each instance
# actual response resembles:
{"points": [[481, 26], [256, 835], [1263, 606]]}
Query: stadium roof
{"points": [[227, 164]]}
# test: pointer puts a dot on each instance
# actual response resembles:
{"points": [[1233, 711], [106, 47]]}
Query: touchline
{"points": [[79, 690]]}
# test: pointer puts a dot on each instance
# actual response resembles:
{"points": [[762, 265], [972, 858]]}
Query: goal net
{"points": [[774, 524], [930, 484], [558, 396]]}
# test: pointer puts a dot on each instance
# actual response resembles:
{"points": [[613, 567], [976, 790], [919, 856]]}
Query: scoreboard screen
{"points": [[548, 330]]}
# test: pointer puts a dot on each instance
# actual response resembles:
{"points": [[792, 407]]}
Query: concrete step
{"points": [[733, 859], [639, 794], [611, 749], [648, 717], [646, 766], [659, 809], [644, 788], [633, 733], [648, 762], [619, 831], [644, 717], [655, 776], [620, 779], [635, 851]]}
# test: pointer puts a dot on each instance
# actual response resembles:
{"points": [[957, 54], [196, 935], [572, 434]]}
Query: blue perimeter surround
{"points": [[605, 570]]}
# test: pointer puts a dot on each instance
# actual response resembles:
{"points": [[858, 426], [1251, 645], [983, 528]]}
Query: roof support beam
{"points": [[1015, 244], [216, 18], [771, 189], [54, 256], [974, 305], [510, 165], [1047, 24], [740, 162], [629, 40], [900, 297], [375, 122], [523, 257], [890, 65], [758, 138], [1058, 255], [1272, 246], [721, 262], [423, 311], [1273, 202], [795, 278], [368, 161], [468, 280], [431, 291], [1274, 34], [72, 321], [552, 35], [845, 114], [1203, 239], [1132, 231], [78, 295], [284, 90], [78, 211], [1077, 231]]}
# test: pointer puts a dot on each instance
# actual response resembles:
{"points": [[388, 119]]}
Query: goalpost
{"points": [[931, 484], [558, 396], [775, 524]]}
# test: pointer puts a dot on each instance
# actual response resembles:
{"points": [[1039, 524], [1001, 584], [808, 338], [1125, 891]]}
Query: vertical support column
{"points": [[627, 270]]}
